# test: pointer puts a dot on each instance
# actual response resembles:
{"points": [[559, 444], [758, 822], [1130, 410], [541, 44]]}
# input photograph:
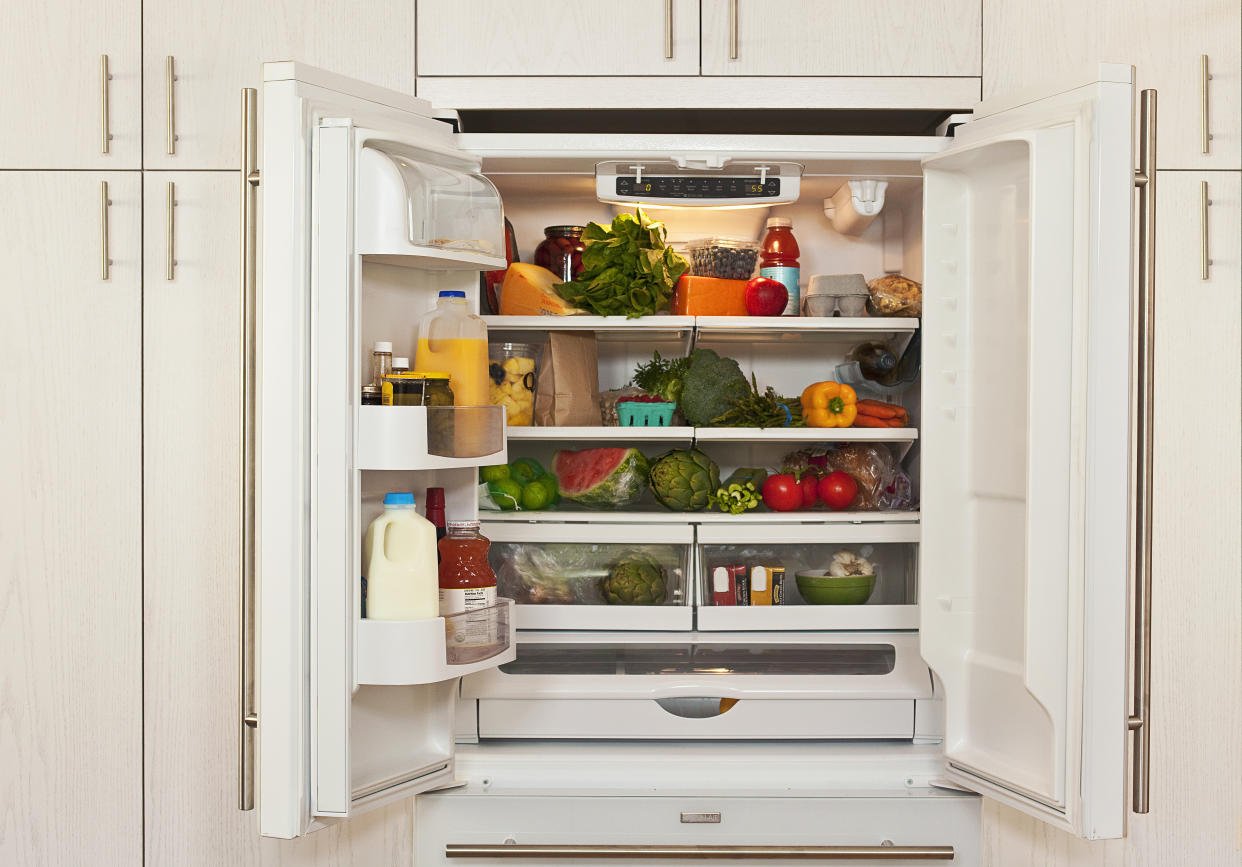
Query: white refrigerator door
{"points": [[1026, 450], [336, 738]]}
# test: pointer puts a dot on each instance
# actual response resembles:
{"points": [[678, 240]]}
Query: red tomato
{"points": [[837, 490], [808, 485], [782, 493]]}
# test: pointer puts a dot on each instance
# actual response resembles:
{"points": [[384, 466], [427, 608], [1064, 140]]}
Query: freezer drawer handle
{"points": [[702, 853], [1143, 339], [1205, 260], [105, 262], [248, 721], [733, 29], [668, 29]]}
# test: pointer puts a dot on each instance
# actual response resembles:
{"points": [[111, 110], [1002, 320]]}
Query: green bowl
{"points": [[818, 588]]}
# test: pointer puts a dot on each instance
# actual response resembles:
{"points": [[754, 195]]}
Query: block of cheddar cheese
{"points": [[709, 296], [527, 291]]}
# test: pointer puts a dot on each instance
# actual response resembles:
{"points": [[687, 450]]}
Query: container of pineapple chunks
{"points": [[513, 369]]}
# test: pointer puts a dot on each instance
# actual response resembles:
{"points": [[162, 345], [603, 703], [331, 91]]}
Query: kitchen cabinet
{"points": [[218, 48], [1166, 43], [71, 630], [191, 403], [548, 37], [57, 104], [1196, 794], [853, 37]]}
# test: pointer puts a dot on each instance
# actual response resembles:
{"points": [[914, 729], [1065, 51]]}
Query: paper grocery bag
{"points": [[567, 386]]}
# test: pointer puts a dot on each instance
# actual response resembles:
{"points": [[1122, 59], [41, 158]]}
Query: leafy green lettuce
{"points": [[626, 269]]}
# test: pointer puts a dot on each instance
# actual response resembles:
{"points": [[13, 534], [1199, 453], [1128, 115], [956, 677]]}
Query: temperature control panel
{"points": [[689, 182]]}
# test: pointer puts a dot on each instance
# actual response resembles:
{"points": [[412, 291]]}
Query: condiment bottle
{"points": [[398, 559], [452, 339], [381, 362], [435, 514], [467, 583], [372, 395], [778, 259], [400, 365]]}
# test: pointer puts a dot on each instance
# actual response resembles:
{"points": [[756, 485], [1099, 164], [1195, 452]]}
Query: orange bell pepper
{"points": [[829, 404]]}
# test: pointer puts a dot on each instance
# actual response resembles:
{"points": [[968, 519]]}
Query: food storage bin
{"points": [[726, 258], [513, 369]]}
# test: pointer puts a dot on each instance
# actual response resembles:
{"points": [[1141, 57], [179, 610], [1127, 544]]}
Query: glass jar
{"points": [[560, 251], [402, 389], [436, 389]]}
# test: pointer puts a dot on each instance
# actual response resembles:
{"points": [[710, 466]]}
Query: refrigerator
{"points": [[991, 659]]}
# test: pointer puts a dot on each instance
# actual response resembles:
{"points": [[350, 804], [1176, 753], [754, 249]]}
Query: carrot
{"points": [[879, 409], [861, 420]]}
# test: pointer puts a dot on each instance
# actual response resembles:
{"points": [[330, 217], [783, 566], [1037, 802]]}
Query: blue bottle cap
{"points": [[399, 498], [452, 293]]}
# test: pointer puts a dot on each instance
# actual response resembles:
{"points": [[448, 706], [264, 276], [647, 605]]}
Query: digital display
{"points": [[677, 187]]}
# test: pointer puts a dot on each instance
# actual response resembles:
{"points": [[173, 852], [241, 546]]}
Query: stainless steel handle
{"points": [[104, 78], [169, 89], [702, 853], [105, 263], [733, 29], [248, 721], [1143, 395], [170, 262], [1205, 262], [668, 29], [1204, 78]]}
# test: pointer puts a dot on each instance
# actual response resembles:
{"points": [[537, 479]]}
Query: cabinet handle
{"points": [[104, 78], [170, 202], [1204, 78], [701, 853], [105, 263], [169, 89], [733, 29], [1205, 262], [1143, 396], [668, 29], [249, 721]]}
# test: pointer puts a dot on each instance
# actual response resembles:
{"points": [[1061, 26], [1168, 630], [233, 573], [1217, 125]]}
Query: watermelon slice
{"points": [[601, 478]]}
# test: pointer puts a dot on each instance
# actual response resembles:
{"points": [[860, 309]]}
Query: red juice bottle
{"points": [[467, 583], [778, 260]]}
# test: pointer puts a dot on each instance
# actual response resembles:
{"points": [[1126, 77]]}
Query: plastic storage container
{"points": [[513, 370], [452, 339], [727, 258]]}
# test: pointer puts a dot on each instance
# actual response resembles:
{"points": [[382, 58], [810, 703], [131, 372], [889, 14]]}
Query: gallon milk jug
{"points": [[454, 339], [399, 563]]}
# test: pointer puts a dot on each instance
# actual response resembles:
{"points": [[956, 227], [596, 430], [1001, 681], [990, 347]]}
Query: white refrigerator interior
{"points": [[991, 655]]}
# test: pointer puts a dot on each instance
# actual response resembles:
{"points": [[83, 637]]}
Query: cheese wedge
{"points": [[527, 291]]}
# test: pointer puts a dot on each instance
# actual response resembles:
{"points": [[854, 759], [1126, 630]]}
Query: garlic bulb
{"points": [[848, 563]]}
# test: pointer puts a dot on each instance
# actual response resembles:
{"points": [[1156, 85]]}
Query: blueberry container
{"points": [[726, 258]]}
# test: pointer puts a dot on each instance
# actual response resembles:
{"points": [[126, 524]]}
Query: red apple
{"points": [[766, 297]]}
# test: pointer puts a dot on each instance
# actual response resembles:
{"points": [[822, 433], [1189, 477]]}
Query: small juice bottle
{"points": [[467, 583], [778, 260], [452, 338]]}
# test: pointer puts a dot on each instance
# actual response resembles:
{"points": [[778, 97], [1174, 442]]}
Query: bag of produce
{"points": [[882, 484]]}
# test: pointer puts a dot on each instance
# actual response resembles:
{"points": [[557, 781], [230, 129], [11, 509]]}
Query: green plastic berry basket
{"points": [[633, 413]]}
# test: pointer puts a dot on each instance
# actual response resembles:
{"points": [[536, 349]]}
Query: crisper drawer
{"points": [[733, 561], [913, 827], [574, 576]]}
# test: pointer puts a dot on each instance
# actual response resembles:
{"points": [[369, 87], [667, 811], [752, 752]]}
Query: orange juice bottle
{"points": [[454, 339]]}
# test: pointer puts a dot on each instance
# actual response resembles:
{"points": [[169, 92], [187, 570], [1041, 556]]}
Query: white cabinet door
{"points": [[1165, 41], [551, 37], [70, 457], [847, 37], [218, 48], [55, 101], [1024, 565]]}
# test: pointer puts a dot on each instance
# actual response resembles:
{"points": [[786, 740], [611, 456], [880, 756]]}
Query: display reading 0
{"points": [[698, 188]]}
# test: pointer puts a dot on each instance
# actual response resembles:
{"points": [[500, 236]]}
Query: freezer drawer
{"points": [[923, 824]]}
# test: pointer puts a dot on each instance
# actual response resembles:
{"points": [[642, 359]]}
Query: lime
{"points": [[507, 493], [494, 473], [536, 495], [526, 470], [554, 489]]}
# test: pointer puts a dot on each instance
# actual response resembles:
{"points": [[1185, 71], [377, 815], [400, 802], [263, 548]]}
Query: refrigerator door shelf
{"points": [[406, 652], [429, 437]]}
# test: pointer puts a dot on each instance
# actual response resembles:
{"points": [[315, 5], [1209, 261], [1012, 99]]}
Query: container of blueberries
{"points": [[726, 258]]}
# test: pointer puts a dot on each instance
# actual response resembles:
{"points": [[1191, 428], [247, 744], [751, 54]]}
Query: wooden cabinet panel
{"points": [[191, 404], [1026, 42], [1196, 789], [52, 99], [218, 48], [847, 37], [550, 37], [70, 444]]}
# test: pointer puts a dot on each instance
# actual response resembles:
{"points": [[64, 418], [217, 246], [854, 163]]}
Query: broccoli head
{"points": [[710, 387]]}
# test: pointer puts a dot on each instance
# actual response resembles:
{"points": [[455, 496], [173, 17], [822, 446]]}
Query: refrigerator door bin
{"points": [[563, 576], [429, 437], [393, 652]]}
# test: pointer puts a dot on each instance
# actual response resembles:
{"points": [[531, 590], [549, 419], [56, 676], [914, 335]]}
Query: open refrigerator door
{"points": [[1025, 556]]}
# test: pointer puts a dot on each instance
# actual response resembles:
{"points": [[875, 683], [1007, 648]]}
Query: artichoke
{"points": [[636, 580], [684, 480]]}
